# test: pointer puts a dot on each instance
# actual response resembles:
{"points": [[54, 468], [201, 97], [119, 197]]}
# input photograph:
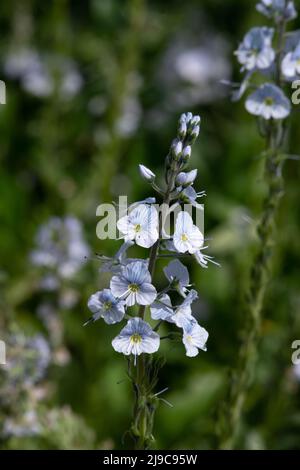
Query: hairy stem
{"points": [[241, 378], [144, 407]]}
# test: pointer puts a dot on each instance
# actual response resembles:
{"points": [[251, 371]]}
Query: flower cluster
{"points": [[131, 282], [60, 248], [22, 383], [42, 76], [272, 55]]}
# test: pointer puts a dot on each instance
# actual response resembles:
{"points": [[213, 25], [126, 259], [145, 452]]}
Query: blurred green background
{"points": [[94, 88]]}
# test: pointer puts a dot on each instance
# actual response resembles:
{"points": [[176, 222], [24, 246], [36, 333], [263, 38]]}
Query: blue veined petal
{"points": [[146, 294], [177, 273], [162, 310], [136, 273], [118, 285], [137, 337], [269, 101]]}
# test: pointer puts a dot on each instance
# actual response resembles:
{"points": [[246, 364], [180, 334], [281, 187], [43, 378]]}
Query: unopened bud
{"points": [[189, 117], [186, 179], [177, 148], [186, 154], [182, 129], [194, 133], [182, 118], [147, 174], [196, 120]]}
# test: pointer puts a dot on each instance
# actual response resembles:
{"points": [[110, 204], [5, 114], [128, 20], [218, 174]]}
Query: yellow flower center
{"points": [[137, 228], [184, 237], [136, 338], [107, 305], [133, 287], [269, 101]]}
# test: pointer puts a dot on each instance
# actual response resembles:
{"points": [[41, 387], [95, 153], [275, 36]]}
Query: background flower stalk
{"points": [[271, 107]]}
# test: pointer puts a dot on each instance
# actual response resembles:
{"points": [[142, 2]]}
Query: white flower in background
{"points": [[277, 9], [28, 360], [192, 72], [38, 82], [140, 225], [187, 237], [105, 305], [130, 115], [268, 101], [186, 179], [256, 52], [133, 284], [146, 173], [26, 425], [296, 371], [194, 338], [42, 75], [178, 276], [290, 66], [136, 338], [60, 246], [162, 309]]}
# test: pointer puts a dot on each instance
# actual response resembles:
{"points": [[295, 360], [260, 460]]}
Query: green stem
{"points": [[241, 378], [145, 402]]}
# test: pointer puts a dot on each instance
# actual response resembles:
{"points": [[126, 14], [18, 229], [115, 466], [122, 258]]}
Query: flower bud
{"points": [[186, 179], [194, 133], [186, 154], [147, 174], [189, 117], [195, 121], [177, 148], [182, 129], [183, 118]]}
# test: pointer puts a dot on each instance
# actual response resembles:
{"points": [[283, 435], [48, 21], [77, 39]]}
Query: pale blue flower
{"points": [[190, 196], [182, 316], [178, 276], [277, 9], [133, 284], [187, 237], [103, 304], [136, 338], [268, 101], [256, 52], [162, 309], [140, 225], [194, 338], [290, 66]]}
